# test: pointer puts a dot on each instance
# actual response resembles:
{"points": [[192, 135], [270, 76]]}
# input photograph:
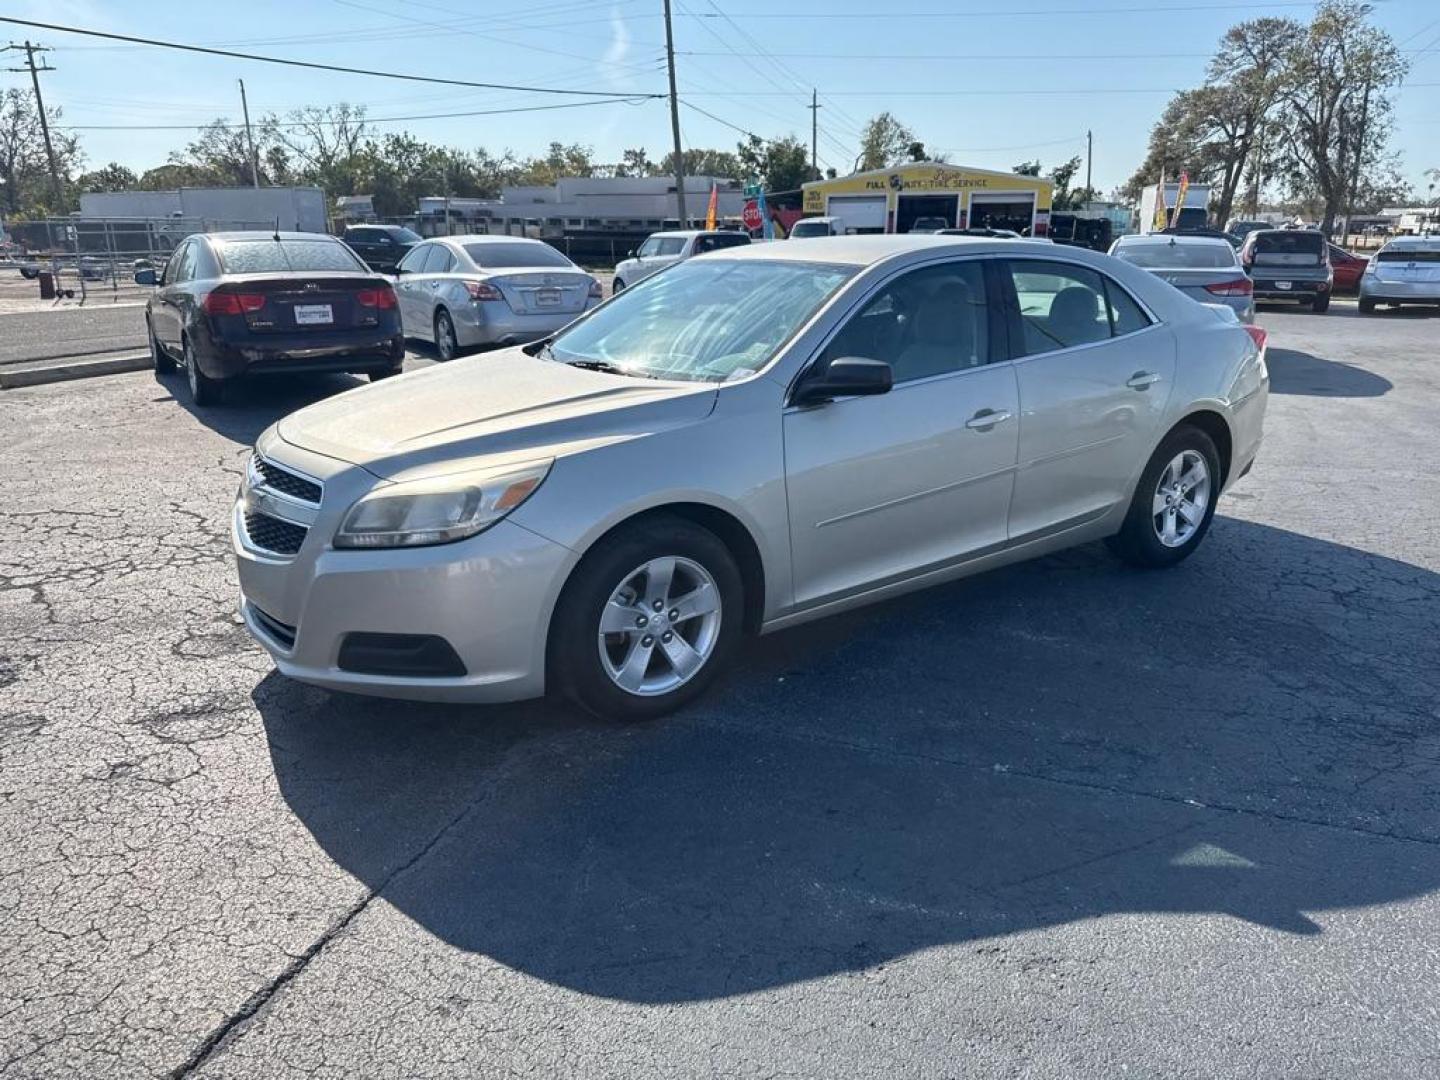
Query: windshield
{"points": [[1154, 255], [405, 236], [703, 320], [662, 245], [505, 255], [803, 229], [279, 257]]}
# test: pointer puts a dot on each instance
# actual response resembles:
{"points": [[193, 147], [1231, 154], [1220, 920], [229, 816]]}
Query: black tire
{"points": [[28, 274], [385, 373], [616, 286], [164, 362], [1138, 542], [574, 663], [1367, 307], [204, 390], [1321, 303], [447, 345]]}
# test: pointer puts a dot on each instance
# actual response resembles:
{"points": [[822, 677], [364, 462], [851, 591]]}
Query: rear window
{"points": [[1427, 255], [1298, 242], [803, 229], [405, 236], [1156, 256], [279, 257], [505, 256]]}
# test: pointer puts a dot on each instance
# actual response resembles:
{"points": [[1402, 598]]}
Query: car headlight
{"points": [[414, 513]]}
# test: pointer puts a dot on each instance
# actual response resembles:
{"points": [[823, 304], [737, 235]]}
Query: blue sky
{"points": [[948, 70]]}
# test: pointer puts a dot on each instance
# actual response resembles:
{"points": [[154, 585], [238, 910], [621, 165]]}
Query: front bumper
{"points": [[489, 597], [494, 322]]}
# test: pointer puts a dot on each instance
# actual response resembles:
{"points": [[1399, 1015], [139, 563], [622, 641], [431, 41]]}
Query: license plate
{"points": [[313, 315], [547, 297], [1282, 284]]}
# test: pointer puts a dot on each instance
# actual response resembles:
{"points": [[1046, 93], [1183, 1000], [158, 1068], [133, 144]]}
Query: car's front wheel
{"points": [[616, 286], [162, 360], [1174, 502], [647, 621], [1367, 307]]}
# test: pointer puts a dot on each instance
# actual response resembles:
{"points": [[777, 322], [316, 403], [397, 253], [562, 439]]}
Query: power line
{"points": [[227, 126], [314, 65], [994, 13]]}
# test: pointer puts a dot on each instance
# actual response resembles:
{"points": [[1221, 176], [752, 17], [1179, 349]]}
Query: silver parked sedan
{"points": [[754, 438], [463, 291], [1404, 271], [1204, 268]]}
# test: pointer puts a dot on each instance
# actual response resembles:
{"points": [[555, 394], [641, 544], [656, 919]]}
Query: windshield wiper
{"points": [[610, 369]]}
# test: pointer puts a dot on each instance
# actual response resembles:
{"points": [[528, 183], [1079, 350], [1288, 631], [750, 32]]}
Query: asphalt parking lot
{"points": [[1066, 819]]}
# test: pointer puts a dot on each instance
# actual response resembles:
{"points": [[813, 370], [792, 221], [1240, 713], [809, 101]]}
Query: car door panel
{"points": [[1088, 415], [886, 486]]}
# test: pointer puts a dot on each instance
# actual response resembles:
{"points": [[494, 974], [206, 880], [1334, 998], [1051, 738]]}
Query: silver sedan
{"points": [[755, 438], [462, 291], [1204, 268]]}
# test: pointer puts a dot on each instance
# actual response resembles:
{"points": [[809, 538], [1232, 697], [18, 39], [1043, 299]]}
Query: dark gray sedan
{"points": [[1204, 268]]}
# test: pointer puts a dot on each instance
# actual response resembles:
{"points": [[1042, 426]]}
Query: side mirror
{"points": [[631, 255], [847, 376], [145, 277], [400, 270]]}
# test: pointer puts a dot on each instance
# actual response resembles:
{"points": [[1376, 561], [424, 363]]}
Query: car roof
{"points": [[1170, 238], [486, 238], [1413, 243], [268, 234], [866, 250]]}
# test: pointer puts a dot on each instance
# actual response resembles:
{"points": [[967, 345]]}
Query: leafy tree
{"points": [[703, 163], [25, 184], [219, 156], [885, 141], [1334, 94], [1026, 168], [325, 143], [113, 177], [782, 165], [635, 163], [559, 161]]}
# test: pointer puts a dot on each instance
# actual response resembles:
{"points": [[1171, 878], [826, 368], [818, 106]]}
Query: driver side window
{"points": [[928, 322]]}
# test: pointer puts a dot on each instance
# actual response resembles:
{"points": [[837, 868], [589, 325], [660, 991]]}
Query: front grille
{"points": [[272, 534], [281, 632], [286, 482]]}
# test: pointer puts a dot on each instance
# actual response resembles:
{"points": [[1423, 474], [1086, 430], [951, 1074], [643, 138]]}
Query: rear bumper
{"points": [[351, 350], [1267, 287], [494, 322], [1418, 292]]}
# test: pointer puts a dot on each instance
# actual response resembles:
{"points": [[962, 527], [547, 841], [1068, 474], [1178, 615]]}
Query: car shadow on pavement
{"points": [[1251, 734], [1296, 372], [251, 405]]}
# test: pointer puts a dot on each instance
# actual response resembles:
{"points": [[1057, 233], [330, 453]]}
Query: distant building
{"points": [[350, 209], [301, 209], [1412, 220], [893, 200], [576, 206]]}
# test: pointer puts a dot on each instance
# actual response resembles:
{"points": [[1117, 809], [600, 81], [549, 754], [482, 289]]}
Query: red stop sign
{"points": [[751, 216]]}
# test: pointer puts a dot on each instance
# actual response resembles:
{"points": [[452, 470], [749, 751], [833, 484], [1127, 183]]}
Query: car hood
{"points": [[501, 407]]}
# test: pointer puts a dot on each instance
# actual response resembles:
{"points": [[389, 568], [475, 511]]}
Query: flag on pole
{"points": [[1180, 199], [1162, 215], [765, 223], [714, 205]]}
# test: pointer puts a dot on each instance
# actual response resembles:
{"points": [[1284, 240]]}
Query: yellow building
{"points": [[895, 200]]}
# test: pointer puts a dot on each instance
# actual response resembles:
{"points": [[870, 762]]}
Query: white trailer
{"points": [[298, 209], [1195, 214]]}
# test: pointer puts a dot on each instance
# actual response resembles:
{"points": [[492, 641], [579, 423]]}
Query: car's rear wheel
{"points": [[647, 621], [385, 373], [1321, 303], [162, 360], [1367, 307], [203, 389], [1174, 501], [447, 345], [616, 286]]}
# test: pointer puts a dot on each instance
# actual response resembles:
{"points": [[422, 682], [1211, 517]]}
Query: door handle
{"points": [[986, 419], [1142, 380]]}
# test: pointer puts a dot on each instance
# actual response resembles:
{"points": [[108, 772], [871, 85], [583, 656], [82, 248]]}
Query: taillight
{"points": [[596, 292], [481, 290], [1258, 336], [230, 303], [382, 298], [1239, 287]]}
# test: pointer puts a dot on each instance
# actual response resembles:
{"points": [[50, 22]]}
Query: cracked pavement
{"points": [[1065, 819]]}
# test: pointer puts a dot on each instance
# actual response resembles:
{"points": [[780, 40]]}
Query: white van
{"points": [[809, 227]]}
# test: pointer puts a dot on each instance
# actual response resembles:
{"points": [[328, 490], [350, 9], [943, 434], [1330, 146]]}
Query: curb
{"points": [[73, 369]]}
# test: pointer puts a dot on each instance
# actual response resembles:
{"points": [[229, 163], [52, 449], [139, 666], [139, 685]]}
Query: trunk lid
{"points": [[540, 291], [302, 304]]}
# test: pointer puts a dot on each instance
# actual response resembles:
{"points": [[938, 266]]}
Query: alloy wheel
{"points": [[1181, 498], [659, 626], [445, 337]]}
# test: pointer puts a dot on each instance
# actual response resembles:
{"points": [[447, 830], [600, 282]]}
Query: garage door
{"points": [[858, 212]]}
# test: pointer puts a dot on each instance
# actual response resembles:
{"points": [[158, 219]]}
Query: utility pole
{"points": [[675, 122], [249, 138], [814, 130], [1089, 155], [1359, 157], [30, 50]]}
